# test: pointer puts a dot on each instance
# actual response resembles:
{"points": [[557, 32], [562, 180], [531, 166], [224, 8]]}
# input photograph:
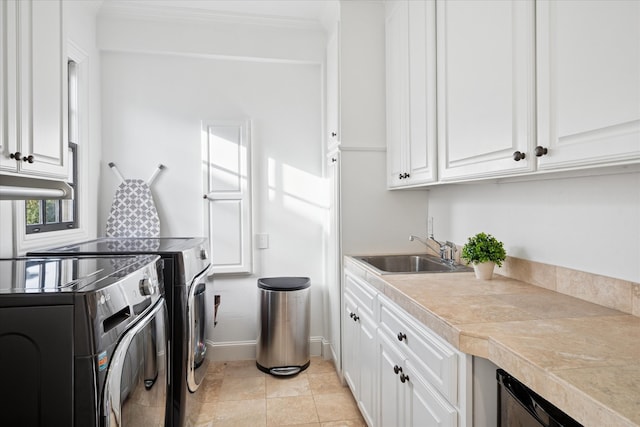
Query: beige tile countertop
{"points": [[583, 357]]}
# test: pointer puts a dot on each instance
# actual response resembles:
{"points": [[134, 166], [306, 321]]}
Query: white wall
{"points": [[374, 220], [590, 223], [153, 105]]}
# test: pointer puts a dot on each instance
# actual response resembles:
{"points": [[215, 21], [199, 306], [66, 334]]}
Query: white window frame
{"points": [[26, 242], [231, 248]]}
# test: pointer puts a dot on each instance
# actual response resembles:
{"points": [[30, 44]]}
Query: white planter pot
{"points": [[484, 271]]}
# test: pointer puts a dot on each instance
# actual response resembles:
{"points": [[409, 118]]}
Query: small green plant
{"points": [[482, 248]]}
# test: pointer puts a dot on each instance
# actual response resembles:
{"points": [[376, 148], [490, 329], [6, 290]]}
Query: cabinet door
{"points": [[334, 267], [368, 356], [350, 351], [424, 406], [8, 140], [333, 90], [227, 176], [397, 79], [42, 83], [421, 155], [588, 82], [392, 399], [411, 89], [486, 102]]}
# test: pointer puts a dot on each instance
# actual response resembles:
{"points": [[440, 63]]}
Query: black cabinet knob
{"points": [[517, 156], [401, 336], [406, 175], [356, 318], [28, 159], [333, 160], [352, 315], [333, 134], [17, 156], [540, 151], [397, 369], [404, 378]]}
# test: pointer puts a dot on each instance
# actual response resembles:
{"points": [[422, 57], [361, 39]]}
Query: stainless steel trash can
{"points": [[283, 330]]}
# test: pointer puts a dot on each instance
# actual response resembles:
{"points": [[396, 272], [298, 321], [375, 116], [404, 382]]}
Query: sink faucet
{"points": [[446, 249]]}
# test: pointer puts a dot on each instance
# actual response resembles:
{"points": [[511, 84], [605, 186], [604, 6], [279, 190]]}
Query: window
{"points": [[53, 215]]}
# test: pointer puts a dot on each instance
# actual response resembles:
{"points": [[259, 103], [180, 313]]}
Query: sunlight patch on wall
{"points": [[299, 191]]}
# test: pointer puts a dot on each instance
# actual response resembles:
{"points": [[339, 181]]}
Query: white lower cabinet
{"points": [[392, 391], [401, 373], [406, 399], [359, 347]]}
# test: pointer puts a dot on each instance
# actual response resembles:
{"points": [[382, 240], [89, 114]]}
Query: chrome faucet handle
{"points": [[447, 252]]}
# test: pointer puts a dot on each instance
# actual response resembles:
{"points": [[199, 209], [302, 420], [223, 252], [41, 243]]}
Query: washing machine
{"points": [[186, 264]]}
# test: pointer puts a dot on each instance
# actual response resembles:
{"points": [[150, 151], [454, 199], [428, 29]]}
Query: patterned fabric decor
{"points": [[133, 213]]}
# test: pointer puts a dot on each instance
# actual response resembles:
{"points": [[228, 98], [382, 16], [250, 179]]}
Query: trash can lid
{"points": [[284, 283]]}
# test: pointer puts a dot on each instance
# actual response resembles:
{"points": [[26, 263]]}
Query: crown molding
{"points": [[119, 9]]}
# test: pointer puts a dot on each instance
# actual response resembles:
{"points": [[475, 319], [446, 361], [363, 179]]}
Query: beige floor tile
{"points": [[216, 369], [288, 386], [291, 411], [325, 383], [240, 413], [336, 407], [242, 368], [237, 394], [243, 388], [202, 424], [345, 423], [209, 390], [319, 365], [202, 415]]}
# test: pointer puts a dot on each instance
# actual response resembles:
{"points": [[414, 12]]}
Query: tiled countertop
{"points": [[583, 357]]}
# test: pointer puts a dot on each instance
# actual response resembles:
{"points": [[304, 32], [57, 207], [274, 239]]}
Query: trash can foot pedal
{"points": [[283, 371], [291, 370]]}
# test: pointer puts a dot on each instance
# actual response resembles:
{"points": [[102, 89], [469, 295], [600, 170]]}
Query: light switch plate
{"points": [[262, 241]]}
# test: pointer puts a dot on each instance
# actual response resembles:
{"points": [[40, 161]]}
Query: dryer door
{"points": [[135, 392], [198, 315]]}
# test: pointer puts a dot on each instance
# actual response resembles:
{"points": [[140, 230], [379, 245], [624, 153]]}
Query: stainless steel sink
{"points": [[404, 264]]}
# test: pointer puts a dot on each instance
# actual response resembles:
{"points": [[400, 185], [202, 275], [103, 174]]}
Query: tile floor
{"points": [[237, 394]]}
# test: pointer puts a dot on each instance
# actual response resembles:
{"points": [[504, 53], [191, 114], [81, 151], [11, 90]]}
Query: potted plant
{"points": [[483, 251]]}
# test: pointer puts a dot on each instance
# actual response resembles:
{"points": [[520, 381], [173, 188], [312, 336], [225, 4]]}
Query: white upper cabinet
{"points": [[588, 69], [411, 93], [33, 140], [486, 88], [333, 90]]}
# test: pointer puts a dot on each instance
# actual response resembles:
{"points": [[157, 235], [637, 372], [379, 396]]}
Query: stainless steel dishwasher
{"points": [[522, 407]]}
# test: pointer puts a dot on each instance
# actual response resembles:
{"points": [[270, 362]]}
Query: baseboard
{"points": [[246, 350], [327, 350]]}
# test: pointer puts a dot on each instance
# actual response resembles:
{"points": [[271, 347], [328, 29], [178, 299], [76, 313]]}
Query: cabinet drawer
{"points": [[423, 350], [363, 297]]}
